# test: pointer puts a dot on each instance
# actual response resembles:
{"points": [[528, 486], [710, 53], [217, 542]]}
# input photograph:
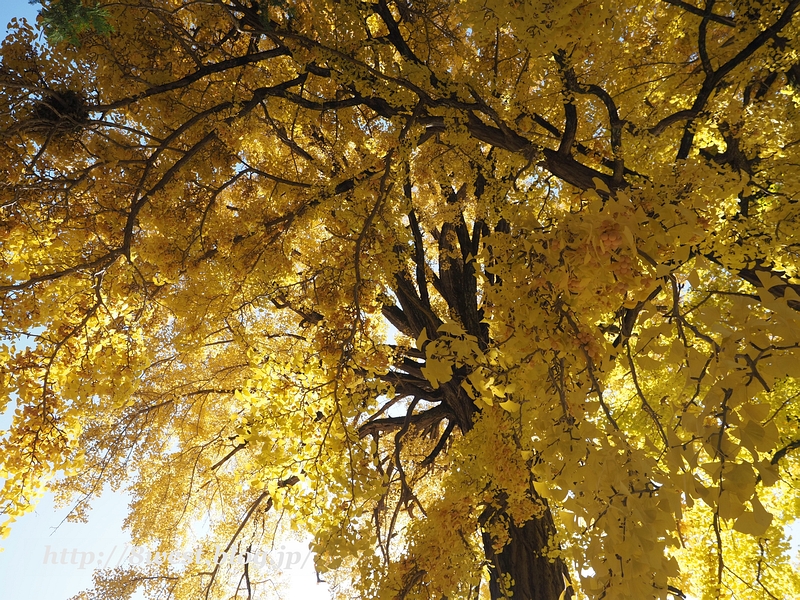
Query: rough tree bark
{"points": [[534, 576]]}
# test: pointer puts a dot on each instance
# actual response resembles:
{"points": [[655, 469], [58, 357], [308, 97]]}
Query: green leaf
{"points": [[66, 20]]}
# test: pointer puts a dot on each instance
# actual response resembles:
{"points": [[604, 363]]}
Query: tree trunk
{"points": [[521, 566], [533, 575]]}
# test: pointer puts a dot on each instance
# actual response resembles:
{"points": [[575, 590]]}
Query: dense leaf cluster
{"points": [[494, 298]]}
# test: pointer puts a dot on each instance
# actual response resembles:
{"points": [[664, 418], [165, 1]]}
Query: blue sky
{"points": [[16, 8]]}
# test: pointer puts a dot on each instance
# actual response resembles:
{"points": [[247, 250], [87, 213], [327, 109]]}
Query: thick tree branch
{"points": [[570, 129], [207, 70], [713, 80], [419, 250], [451, 425], [702, 13], [421, 420], [783, 451], [395, 37]]}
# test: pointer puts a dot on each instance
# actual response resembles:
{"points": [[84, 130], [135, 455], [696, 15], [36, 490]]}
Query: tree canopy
{"points": [[489, 296]]}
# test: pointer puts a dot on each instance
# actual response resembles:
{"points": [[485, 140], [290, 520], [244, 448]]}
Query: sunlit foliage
{"points": [[489, 296]]}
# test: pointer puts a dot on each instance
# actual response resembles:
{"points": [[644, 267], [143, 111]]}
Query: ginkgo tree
{"points": [[494, 298]]}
